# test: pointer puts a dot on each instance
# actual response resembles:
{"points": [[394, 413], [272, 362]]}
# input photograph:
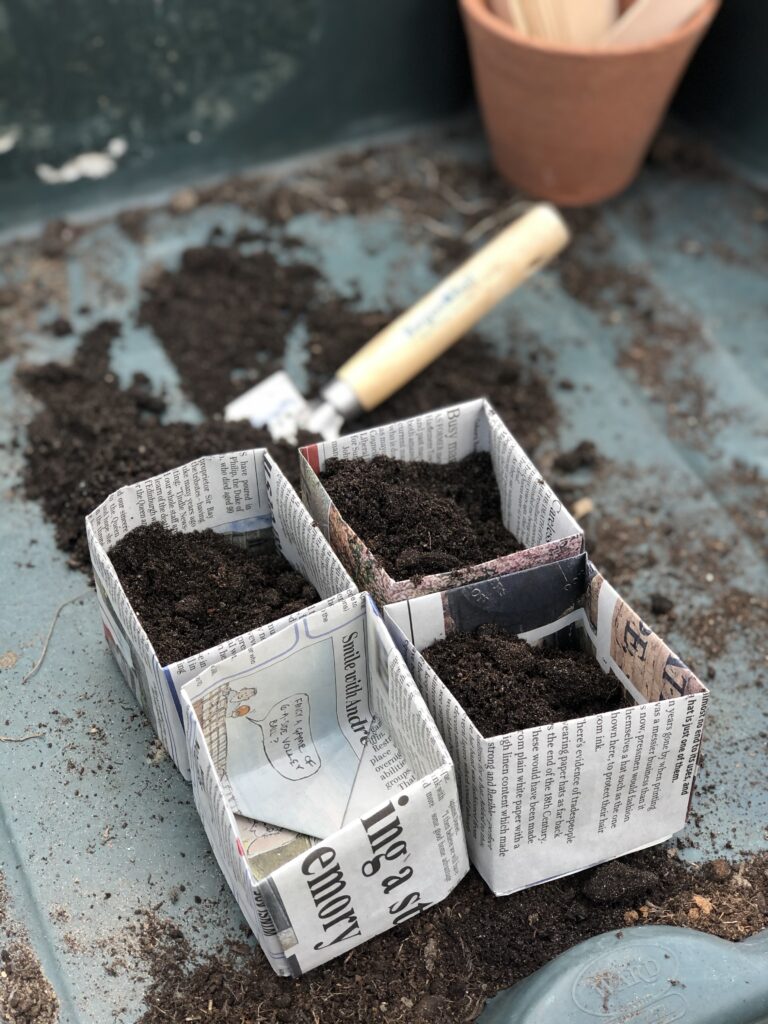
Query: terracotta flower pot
{"points": [[572, 124]]}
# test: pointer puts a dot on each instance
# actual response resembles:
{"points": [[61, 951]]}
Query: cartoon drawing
{"points": [[268, 847]]}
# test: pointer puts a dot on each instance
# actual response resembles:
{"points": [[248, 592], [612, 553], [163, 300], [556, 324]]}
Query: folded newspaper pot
{"points": [[544, 802], [529, 508], [242, 494], [325, 788]]}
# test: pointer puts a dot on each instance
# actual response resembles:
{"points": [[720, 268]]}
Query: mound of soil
{"points": [[420, 518], [222, 311], [26, 995], [504, 684], [192, 591]]}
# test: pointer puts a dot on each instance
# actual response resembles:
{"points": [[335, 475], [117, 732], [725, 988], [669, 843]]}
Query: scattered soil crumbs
{"points": [[687, 154], [451, 199], [91, 437], [742, 491], [418, 517], [730, 609], [223, 318], [26, 995], [444, 964], [659, 342], [504, 684], [192, 591]]}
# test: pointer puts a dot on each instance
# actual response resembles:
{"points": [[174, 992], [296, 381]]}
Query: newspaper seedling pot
{"points": [[242, 494], [321, 732], [544, 802], [573, 124], [529, 508]]}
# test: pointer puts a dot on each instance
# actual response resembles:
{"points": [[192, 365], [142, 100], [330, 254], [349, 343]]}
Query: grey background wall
{"points": [[725, 93], [197, 87]]}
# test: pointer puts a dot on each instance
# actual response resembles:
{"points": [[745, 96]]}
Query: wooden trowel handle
{"points": [[416, 338]]}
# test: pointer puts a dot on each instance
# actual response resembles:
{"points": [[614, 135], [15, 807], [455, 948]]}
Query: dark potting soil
{"points": [[26, 995], [224, 312], [444, 964], [92, 437], [420, 518], [504, 684], [192, 591]]}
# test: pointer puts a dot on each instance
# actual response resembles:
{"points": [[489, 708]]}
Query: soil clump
{"points": [[92, 437]]}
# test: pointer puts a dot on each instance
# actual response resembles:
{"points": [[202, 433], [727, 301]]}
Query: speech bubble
{"points": [[287, 737]]}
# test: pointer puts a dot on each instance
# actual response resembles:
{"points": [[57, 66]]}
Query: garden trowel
{"points": [[414, 340], [653, 974]]}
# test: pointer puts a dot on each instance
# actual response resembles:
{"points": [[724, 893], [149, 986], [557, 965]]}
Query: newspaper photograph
{"points": [[530, 510], [544, 802], [243, 495], [326, 791]]}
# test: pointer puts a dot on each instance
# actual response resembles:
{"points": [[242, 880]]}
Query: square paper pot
{"points": [[544, 802], [242, 494], [321, 731], [529, 508]]}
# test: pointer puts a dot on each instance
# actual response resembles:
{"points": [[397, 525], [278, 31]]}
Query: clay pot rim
{"points": [[480, 11]]}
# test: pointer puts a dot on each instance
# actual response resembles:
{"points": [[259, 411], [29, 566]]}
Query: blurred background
{"points": [[194, 89]]}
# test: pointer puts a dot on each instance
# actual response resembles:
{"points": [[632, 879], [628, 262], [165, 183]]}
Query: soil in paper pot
{"points": [[504, 684], [420, 518], [192, 591]]}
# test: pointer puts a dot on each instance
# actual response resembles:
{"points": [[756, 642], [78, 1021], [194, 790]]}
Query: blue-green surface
{"points": [[644, 975], [92, 807]]}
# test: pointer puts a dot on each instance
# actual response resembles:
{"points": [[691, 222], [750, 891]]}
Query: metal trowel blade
{"points": [[275, 403]]}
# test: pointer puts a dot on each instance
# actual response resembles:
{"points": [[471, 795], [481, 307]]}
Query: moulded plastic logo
{"points": [[633, 984]]}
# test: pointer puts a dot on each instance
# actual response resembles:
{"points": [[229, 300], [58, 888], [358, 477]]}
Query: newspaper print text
{"points": [[384, 830]]}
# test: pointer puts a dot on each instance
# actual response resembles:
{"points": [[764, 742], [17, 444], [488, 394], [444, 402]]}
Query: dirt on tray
{"points": [[92, 437], [223, 318], [192, 591], [420, 518], [584, 455], [444, 964], [26, 995], [223, 337], [504, 684]]}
